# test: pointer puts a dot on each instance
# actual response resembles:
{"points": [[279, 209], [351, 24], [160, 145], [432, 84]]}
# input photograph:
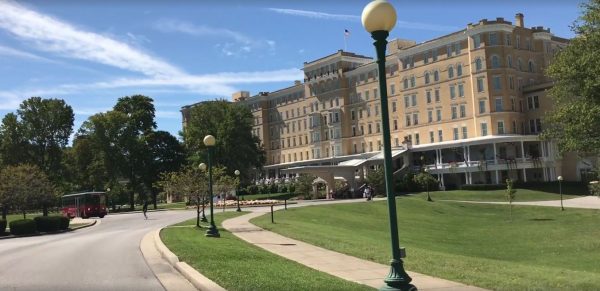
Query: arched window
{"points": [[478, 65], [495, 62], [412, 81], [519, 64], [450, 72], [459, 70], [509, 61], [436, 76], [405, 81], [531, 67], [426, 77]]}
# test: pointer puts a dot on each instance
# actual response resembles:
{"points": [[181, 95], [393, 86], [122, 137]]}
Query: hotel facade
{"points": [[468, 106]]}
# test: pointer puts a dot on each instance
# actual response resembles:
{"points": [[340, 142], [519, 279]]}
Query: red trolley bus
{"points": [[84, 205]]}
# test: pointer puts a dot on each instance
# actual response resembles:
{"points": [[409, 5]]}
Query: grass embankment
{"points": [[237, 265], [542, 248], [500, 195]]}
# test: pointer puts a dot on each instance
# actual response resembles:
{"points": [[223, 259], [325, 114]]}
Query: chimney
{"points": [[297, 82], [519, 21]]}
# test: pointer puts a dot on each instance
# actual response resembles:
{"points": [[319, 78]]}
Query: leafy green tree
{"points": [[427, 182], [575, 119], [376, 179], [164, 153], [304, 184], [46, 126], [231, 124], [25, 187], [190, 183], [510, 195], [13, 146]]}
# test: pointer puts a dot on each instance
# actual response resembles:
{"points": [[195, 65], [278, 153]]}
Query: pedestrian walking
{"points": [[145, 208], [367, 192]]}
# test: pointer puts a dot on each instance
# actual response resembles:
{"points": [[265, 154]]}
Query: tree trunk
{"points": [[24, 215], [154, 199], [4, 212], [45, 210], [132, 200]]}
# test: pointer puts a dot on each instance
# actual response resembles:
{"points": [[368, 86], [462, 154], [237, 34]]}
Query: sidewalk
{"points": [[587, 202], [336, 264]]}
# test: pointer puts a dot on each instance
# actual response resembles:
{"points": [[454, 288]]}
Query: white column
{"points": [[495, 159], [545, 170], [497, 177], [524, 175], [469, 153], [522, 151]]}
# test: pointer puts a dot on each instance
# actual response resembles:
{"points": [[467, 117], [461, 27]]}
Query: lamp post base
{"points": [[397, 278], [212, 231]]}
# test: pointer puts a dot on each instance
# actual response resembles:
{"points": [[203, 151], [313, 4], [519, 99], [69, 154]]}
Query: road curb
{"points": [[10, 236], [198, 280]]}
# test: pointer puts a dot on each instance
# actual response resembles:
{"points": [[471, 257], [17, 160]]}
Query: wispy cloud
{"points": [[356, 18], [53, 35], [11, 52], [315, 14], [248, 43]]}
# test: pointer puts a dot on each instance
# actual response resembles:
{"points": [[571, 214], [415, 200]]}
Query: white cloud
{"points": [[248, 44], [347, 17], [53, 35], [11, 52], [315, 14]]}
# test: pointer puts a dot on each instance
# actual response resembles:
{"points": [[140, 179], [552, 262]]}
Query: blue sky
{"points": [[90, 53]]}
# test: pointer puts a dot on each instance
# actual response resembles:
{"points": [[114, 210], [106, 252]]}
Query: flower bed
{"points": [[232, 203]]}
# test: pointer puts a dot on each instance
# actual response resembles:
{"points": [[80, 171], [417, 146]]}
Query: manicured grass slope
{"points": [[237, 265], [541, 249], [500, 195]]}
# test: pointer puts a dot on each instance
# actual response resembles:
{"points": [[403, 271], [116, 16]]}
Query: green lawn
{"points": [[496, 195], [237, 265], [543, 248]]}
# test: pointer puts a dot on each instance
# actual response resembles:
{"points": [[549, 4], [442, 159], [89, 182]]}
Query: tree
{"points": [[46, 126], [426, 181], [376, 179], [13, 146], [510, 195], [231, 124], [304, 183], [574, 121], [164, 154], [25, 187], [190, 183]]}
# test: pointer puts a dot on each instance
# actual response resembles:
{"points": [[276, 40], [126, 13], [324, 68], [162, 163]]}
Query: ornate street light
{"points": [[209, 142], [237, 192], [202, 168], [560, 179], [426, 171], [378, 18]]}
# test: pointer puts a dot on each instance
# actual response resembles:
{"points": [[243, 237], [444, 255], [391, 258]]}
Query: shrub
{"points": [[273, 189], [47, 223], [64, 222], [2, 226], [252, 189], [22, 227], [483, 187]]}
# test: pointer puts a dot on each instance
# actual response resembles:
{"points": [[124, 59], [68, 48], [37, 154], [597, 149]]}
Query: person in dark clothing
{"points": [[145, 209]]}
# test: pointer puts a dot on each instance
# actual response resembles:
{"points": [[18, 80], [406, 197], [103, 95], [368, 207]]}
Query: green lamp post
{"points": [[209, 142], [378, 18], [237, 192], [202, 167], [560, 179]]}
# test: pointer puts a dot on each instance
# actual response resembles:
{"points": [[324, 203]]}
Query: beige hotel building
{"points": [[467, 105]]}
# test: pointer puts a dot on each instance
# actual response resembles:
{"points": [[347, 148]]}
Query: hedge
{"points": [[2, 226], [48, 223], [64, 222], [22, 227], [483, 187]]}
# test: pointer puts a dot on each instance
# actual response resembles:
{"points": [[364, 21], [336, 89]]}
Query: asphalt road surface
{"points": [[103, 257]]}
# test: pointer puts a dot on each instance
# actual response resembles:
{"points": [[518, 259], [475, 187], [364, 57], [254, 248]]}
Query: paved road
{"points": [[103, 257]]}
